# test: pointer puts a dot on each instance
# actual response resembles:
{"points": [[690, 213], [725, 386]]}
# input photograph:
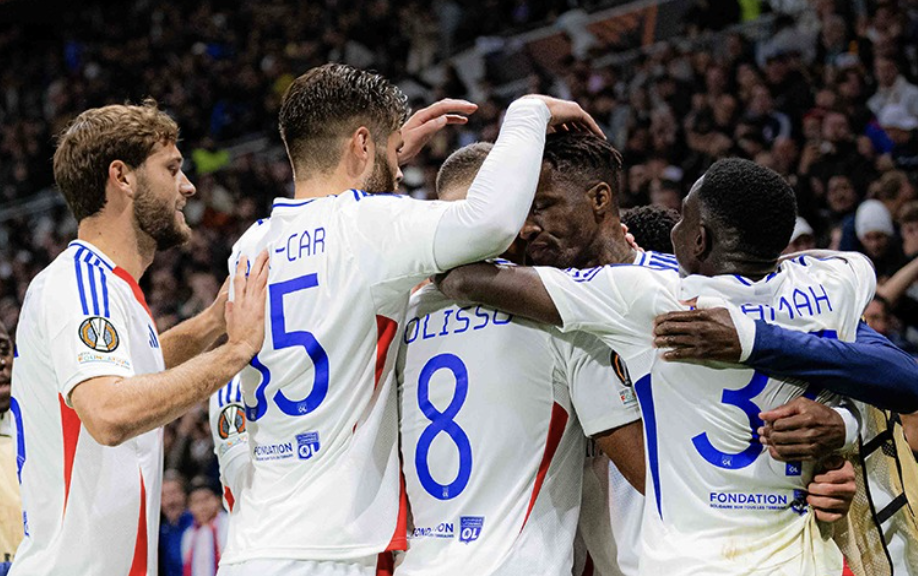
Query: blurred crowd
{"points": [[828, 98]]}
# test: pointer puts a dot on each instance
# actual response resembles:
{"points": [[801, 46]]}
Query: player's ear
{"points": [[600, 197], [121, 182], [360, 150], [704, 243]]}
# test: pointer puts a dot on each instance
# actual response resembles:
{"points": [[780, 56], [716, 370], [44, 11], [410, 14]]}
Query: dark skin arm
{"points": [[802, 430], [625, 448], [697, 336], [517, 290]]}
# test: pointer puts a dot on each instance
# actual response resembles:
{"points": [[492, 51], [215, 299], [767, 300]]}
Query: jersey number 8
{"points": [[443, 422]]}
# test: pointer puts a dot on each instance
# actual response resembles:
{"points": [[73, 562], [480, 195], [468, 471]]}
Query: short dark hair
{"points": [[584, 160], [98, 137], [753, 201], [330, 102], [461, 167], [651, 226]]}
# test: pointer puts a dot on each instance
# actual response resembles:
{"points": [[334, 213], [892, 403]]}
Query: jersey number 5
{"points": [[281, 339]]}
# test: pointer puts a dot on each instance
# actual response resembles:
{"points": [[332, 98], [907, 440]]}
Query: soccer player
{"points": [[493, 412], [714, 504], [10, 502], [89, 379], [320, 395]]}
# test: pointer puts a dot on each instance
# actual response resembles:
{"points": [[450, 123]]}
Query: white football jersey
{"points": [[88, 508], [320, 395], [716, 502], [493, 411], [226, 414]]}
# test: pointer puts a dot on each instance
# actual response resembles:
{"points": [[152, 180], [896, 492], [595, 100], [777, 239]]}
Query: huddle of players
{"points": [[336, 362], [494, 409]]}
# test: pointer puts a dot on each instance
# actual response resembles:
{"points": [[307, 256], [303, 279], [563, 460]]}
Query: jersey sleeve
{"points": [[619, 301], [865, 278], [392, 240], [600, 387], [89, 325], [228, 427]]}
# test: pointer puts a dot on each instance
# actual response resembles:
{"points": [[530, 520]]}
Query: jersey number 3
{"points": [[443, 422]]}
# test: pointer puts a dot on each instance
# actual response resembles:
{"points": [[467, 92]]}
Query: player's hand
{"points": [[567, 116], [629, 238], [697, 336], [217, 309], [802, 430], [245, 315], [426, 122], [832, 490]]}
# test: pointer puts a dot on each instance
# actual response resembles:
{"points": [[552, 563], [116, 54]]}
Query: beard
{"points": [[157, 218], [382, 179]]}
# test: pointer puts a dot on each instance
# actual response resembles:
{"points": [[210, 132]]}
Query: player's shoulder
{"points": [[253, 235], [829, 264], [646, 267]]}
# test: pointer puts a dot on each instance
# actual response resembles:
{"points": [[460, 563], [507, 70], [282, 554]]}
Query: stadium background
{"points": [[675, 84]]}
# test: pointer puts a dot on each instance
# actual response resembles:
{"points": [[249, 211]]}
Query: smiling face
{"points": [[162, 190]]}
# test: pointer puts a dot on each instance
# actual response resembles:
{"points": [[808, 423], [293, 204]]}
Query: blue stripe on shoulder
{"points": [[77, 266]]}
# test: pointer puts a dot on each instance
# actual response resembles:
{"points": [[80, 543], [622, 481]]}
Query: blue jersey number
{"points": [[20, 438], [742, 399], [284, 339], [443, 422]]}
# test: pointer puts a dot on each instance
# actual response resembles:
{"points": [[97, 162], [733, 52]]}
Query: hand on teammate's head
{"points": [[567, 116]]}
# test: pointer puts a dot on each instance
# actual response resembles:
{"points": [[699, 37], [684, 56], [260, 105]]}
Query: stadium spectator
{"points": [[203, 542], [10, 503], [174, 521]]}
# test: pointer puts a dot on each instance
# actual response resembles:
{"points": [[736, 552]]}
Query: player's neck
{"points": [[611, 248], [120, 241], [741, 264], [323, 185]]}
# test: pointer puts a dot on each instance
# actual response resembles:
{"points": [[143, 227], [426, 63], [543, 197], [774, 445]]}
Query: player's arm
{"points": [[514, 289], [231, 440], [625, 447], [870, 369], [114, 409], [804, 429], [603, 398], [195, 335]]}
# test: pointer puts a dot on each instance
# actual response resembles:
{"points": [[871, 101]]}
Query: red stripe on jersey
{"points": [[555, 431], [385, 332], [139, 564], [847, 570], [385, 564], [228, 496], [70, 430], [399, 539], [135, 288]]}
